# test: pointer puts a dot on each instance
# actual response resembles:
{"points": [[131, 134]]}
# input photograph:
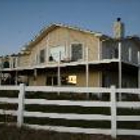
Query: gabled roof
{"points": [[26, 48], [52, 27]]}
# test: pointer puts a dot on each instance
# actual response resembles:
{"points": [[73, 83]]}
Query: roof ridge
{"points": [[53, 25]]}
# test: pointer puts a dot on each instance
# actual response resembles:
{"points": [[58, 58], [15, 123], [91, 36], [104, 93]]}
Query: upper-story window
{"points": [[76, 51], [57, 53], [6, 64], [42, 56], [116, 53]]}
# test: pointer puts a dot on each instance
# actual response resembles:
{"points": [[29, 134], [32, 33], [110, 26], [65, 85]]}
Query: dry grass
{"points": [[14, 133]]}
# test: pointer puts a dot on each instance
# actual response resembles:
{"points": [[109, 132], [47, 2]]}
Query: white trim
{"points": [[87, 67], [63, 102], [16, 61], [99, 49], [129, 54], [120, 68], [10, 60], [67, 44], [67, 116], [47, 49], [138, 57], [112, 103], [52, 65], [71, 129]]}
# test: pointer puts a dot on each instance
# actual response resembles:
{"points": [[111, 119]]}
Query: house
{"points": [[62, 55]]}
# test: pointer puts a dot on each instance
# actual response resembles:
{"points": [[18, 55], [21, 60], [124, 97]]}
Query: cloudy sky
{"points": [[21, 20]]}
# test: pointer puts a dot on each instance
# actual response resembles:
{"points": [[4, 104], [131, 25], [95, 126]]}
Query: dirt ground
{"points": [[13, 133]]}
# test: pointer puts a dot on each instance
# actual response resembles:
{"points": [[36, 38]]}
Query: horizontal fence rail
{"points": [[113, 104], [68, 103], [68, 89], [9, 87]]}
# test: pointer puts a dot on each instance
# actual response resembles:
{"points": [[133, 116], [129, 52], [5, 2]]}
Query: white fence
{"points": [[113, 104]]}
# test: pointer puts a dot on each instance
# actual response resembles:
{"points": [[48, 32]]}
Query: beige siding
{"points": [[65, 37], [31, 81], [95, 77], [24, 61], [87, 40], [36, 51], [41, 80]]}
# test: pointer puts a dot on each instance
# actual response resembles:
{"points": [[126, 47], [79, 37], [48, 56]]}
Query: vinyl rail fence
{"points": [[113, 104]]}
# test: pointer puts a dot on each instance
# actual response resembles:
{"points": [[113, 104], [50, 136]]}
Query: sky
{"points": [[21, 20]]}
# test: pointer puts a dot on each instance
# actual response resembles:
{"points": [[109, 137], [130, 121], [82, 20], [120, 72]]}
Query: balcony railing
{"points": [[112, 54]]}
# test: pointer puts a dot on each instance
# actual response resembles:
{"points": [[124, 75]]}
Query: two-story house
{"points": [[62, 55]]}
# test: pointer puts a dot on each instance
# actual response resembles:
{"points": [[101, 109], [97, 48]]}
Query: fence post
{"points": [[20, 111], [113, 112]]}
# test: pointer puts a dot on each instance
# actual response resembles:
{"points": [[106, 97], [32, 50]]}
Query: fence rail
{"points": [[113, 104]]}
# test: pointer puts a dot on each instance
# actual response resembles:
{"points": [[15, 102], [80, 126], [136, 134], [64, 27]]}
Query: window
{"points": [[65, 80], [116, 53], [76, 52], [113, 53], [6, 64], [57, 53], [42, 56], [69, 80]]}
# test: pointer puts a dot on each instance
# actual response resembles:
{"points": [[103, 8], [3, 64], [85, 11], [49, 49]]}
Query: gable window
{"points": [[42, 56], [57, 53], [76, 52]]}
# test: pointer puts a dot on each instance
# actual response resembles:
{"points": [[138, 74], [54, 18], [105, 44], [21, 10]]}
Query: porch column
{"points": [[139, 71], [1, 66], [139, 79], [87, 69], [35, 76], [99, 49], [16, 78], [120, 70], [0, 76], [58, 71]]}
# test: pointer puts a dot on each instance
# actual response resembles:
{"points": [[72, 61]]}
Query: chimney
{"points": [[118, 29]]}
